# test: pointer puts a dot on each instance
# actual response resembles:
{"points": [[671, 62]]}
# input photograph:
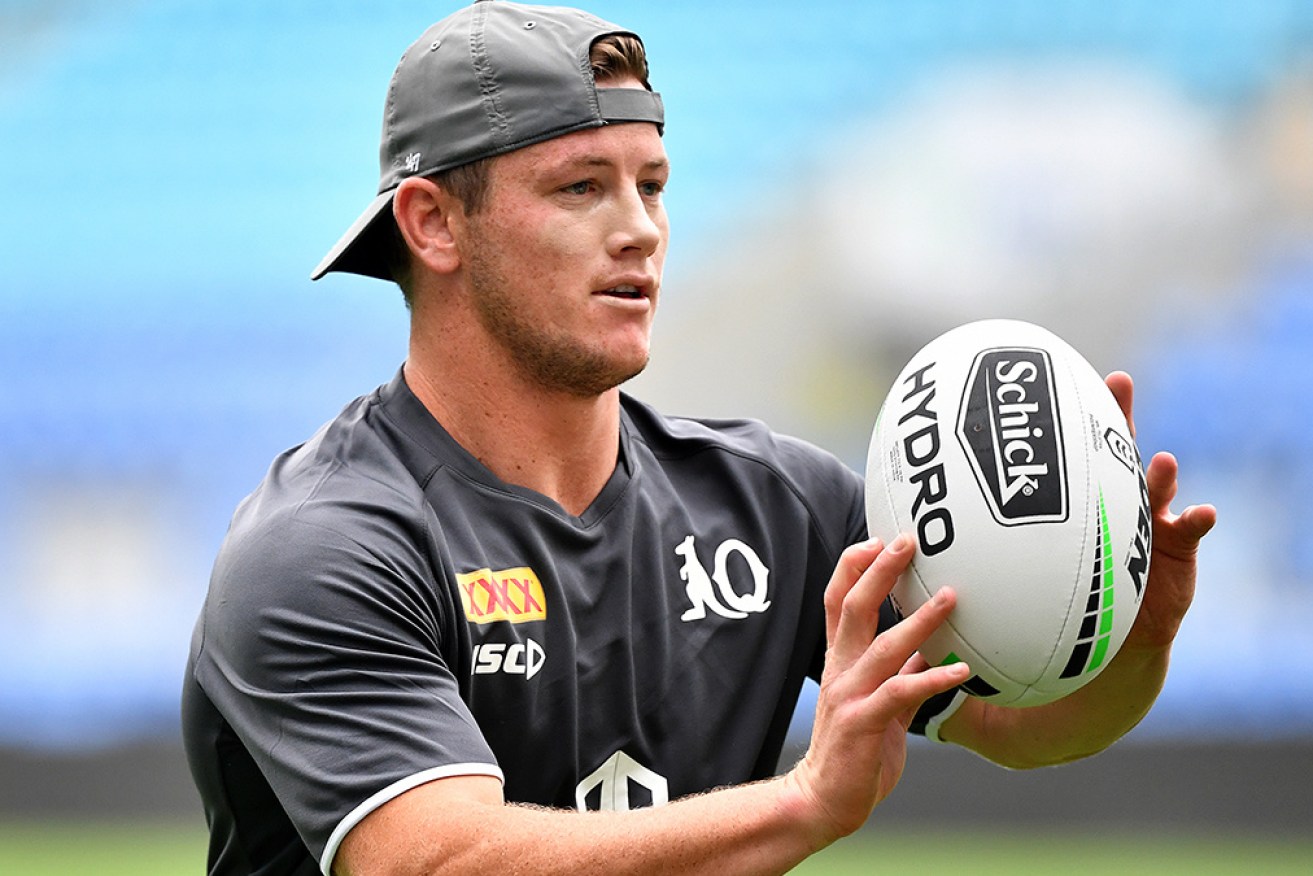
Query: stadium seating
{"points": [[174, 169]]}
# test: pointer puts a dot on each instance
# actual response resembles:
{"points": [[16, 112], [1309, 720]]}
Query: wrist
{"points": [[1135, 660], [804, 810]]}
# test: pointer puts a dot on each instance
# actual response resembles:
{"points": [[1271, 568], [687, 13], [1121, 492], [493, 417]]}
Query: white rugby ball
{"points": [[1005, 454]]}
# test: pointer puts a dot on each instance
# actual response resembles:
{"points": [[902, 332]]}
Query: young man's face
{"points": [[564, 260]]}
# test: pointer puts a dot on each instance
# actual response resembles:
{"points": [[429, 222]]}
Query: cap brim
{"points": [[362, 250]]}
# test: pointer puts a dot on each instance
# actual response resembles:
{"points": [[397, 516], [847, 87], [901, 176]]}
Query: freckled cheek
{"points": [[566, 241], [546, 250], [661, 219], [659, 256]]}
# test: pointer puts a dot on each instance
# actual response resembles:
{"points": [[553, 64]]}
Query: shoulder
{"points": [[336, 523], [343, 477], [748, 440], [748, 448]]}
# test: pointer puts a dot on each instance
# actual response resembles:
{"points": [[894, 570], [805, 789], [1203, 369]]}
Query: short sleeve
{"points": [[331, 654]]}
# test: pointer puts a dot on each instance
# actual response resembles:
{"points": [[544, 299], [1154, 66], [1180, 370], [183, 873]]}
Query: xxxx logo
{"points": [[514, 595]]}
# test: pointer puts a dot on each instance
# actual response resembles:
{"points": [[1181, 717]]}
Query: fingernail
{"points": [[900, 544]]}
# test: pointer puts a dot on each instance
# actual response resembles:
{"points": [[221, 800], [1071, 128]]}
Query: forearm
{"points": [[873, 683], [763, 828], [1079, 725]]}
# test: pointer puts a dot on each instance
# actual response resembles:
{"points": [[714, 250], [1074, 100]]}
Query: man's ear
{"points": [[428, 216]]}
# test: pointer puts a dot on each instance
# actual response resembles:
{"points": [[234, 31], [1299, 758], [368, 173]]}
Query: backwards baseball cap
{"points": [[489, 79]]}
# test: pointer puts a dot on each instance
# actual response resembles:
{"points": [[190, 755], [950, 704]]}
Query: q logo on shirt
{"points": [[715, 591]]}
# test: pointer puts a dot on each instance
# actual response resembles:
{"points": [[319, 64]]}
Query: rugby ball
{"points": [[1003, 452]]}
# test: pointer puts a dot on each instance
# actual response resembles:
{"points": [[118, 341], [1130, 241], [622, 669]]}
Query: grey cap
{"points": [[486, 80]]}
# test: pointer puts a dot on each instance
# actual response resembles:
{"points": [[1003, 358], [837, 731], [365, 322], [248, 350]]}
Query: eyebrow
{"points": [[603, 161]]}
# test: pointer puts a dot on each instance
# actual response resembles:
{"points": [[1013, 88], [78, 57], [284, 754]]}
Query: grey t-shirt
{"points": [[385, 611]]}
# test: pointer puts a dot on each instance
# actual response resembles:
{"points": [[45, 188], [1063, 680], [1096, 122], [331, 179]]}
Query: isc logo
{"points": [[1012, 435], [517, 658], [514, 595]]}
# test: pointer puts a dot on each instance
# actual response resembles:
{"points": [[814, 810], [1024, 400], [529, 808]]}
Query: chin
{"points": [[585, 376], [603, 381]]}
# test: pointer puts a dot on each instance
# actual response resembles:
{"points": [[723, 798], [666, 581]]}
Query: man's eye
{"points": [[652, 189], [580, 188]]}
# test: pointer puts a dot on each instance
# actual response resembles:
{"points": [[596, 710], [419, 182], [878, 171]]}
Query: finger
{"points": [[937, 682], [1123, 390], [852, 563], [915, 663], [892, 649], [1161, 479], [900, 696], [1197, 521], [1174, 535], [859, 613]]}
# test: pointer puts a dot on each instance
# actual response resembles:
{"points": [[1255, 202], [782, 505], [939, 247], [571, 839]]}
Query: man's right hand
{"points": [[871, 688]]}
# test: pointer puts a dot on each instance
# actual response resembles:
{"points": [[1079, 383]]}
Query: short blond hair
{"points": [[619, 56]]}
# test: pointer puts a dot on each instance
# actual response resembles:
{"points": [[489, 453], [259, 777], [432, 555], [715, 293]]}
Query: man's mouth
{"points": [[624, 291]]}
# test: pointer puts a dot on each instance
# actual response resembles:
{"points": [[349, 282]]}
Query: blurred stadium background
{"points": [[851, 179]]}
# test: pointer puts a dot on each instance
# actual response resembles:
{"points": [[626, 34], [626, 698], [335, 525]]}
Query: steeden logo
{"points": [[513, 595]]}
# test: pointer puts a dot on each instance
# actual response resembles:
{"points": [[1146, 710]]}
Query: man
{"points": [[496, 590]]}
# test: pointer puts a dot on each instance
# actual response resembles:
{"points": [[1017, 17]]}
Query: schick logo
{"points": [[722, 598], [1009, 428]]}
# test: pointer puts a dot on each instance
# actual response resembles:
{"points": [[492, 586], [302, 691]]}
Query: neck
{"points": [[558, 444]]}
